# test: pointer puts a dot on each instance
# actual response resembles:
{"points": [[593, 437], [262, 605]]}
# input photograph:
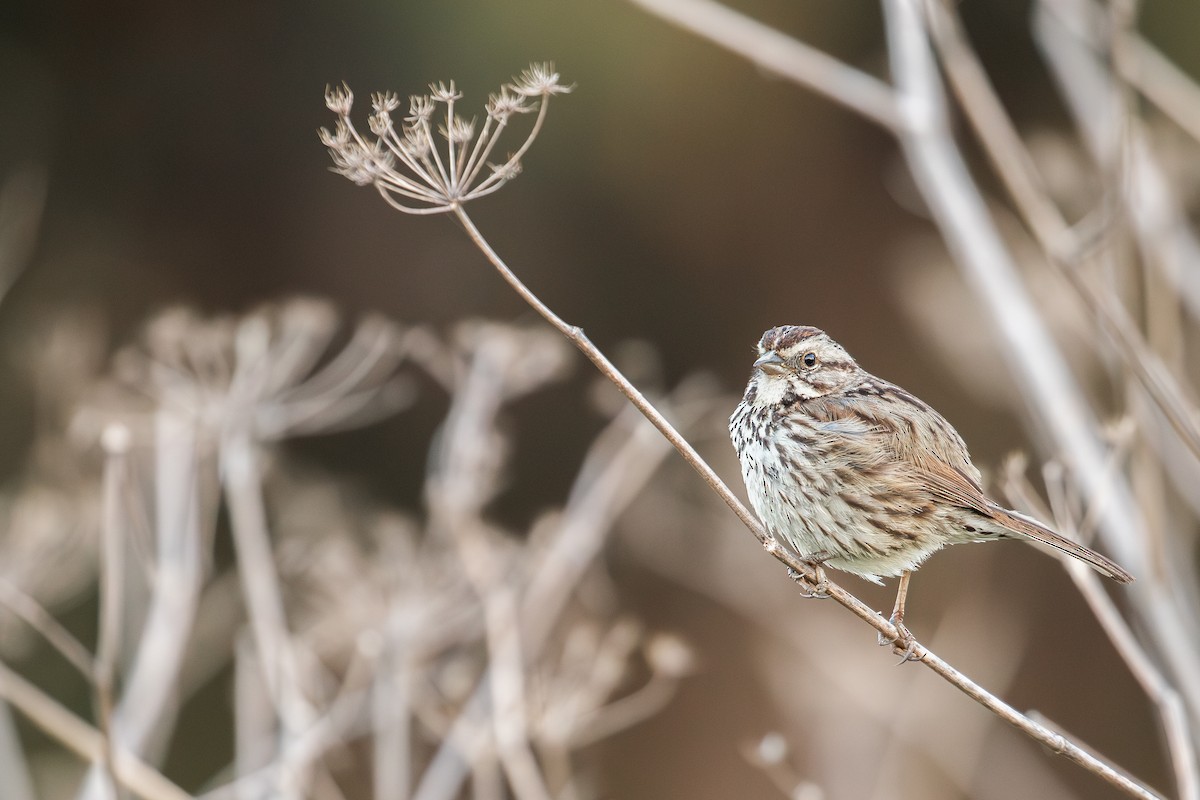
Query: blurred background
{"points": [[678, 203]]}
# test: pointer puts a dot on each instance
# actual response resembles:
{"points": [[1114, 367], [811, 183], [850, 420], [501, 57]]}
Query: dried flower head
{"points": [[270, 373], [339, 99], [420, 173], [539, 80]]}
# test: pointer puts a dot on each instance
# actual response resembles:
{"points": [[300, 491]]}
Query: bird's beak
{"points": [[769, 361]]}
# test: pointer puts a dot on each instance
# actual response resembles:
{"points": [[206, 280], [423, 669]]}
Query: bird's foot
{"points": [[904, 645], [818, 590]]}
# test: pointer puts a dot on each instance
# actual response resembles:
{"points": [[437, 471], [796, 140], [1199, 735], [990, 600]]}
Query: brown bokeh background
{"points": [[678, 197]]}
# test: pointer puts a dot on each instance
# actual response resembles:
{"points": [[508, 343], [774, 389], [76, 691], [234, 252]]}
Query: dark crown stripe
{"points": [[786, 336]]}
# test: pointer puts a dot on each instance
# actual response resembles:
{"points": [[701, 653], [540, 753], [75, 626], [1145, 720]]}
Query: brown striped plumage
{"points": [[855, 473]]}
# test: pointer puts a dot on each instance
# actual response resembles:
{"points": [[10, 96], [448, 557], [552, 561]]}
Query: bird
{"points": [[855, 473]]}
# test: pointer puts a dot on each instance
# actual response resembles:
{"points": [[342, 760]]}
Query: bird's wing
{"points": [[950, 482], [910, 454]]}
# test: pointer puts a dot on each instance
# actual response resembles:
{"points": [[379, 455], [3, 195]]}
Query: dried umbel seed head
{"points": [[271, 373], [423, 167]]}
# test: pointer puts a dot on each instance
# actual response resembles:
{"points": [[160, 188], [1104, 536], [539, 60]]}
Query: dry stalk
{"points": [[1170, 706], [1065, 250], [617, 465], [147, 707], [131, 772]]}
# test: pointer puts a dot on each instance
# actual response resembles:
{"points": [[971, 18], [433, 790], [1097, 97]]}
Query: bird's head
{"points": [[796, 362]]}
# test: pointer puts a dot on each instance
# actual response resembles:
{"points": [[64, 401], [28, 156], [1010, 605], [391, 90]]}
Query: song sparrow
{"points": [[855, 473]]}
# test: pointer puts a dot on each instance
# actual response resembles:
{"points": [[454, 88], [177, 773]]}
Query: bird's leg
{"points": [[820, 589], [905, 643]]}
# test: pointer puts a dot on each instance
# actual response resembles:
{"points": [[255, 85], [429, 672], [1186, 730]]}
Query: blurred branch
{"points": [[1065, 246], [85, 741], [1170, 705], [15, 780], [149, 700], [782, 55], [1165, 85], [115, 441], [618, 463], [1171, 709], [391, 705], [260, 584], [1165, 601], [959, 209], [22, 199], [42, 621], [1065, 30], [957, 206], [1052, 396], [507, 671], [1064, 249]]}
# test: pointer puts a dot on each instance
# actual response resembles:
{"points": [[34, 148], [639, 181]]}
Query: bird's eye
{"points": [[810, 359]]}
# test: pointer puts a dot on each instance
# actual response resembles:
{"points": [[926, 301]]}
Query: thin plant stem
{"points": [[82, 739], [35, 615], [116, 442], [391, 709], [15, 781], [1062, 244], [782, 55], [147, 706], [590, 511], [1166, 699], [261, 588], [507, 673]]}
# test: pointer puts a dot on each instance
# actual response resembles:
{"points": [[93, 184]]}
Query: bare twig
{"points": [[783, 56], [1067, 31], [112, 580], [1062, 244], [1165, 237], [262, 590], [957, 206], [22, 198], [260, 582], [1165, 85], [84, 740], [1012, 164], [42, 621], [1170, 705], [148, 703], [1171, 708], [391, 704], [1053, 396], [616, 470], [507, 673], [15, 781]]}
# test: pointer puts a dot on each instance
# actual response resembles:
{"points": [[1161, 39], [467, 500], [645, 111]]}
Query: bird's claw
{"points": [[818, 590], [904, 645]]}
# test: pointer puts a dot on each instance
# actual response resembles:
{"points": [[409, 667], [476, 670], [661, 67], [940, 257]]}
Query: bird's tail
{"points": [[1032, 529]]}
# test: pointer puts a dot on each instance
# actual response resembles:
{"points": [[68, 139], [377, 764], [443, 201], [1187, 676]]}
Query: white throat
{"points": [[771, 389]]}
